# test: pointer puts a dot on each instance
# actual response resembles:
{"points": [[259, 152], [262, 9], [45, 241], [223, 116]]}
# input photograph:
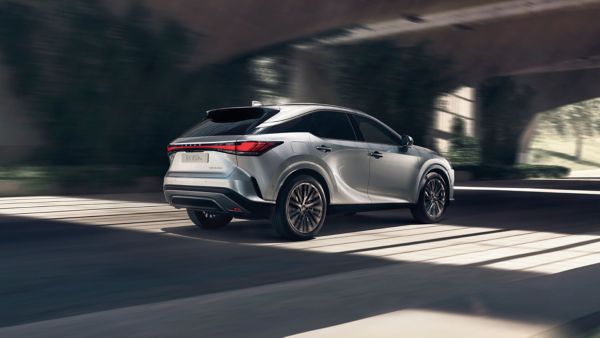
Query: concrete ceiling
{"points": [[552, 39], [235, 27], [482, 37], [558, 40]]}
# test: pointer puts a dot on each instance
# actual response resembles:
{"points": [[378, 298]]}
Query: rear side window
{"points": [[325, 124], [334, 125], [230, 121], [303, 124]]}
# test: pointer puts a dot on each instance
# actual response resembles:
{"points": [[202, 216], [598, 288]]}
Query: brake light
{"points": [[248, 148]]}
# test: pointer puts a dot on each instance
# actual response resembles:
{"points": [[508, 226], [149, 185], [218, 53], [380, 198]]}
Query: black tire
{"points": [[300, 220], [208, 220], [427, 210]]}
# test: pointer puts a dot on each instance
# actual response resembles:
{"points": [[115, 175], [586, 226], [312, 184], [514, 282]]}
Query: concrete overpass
{"points": [[231, 28], [550, 45], [533, 40], [483, 37]]}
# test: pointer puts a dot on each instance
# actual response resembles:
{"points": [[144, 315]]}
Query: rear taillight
{"points": [[248, 148]]}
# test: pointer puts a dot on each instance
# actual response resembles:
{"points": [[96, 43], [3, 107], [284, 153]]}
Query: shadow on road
{"points": [[54, 269], [260, 231]]}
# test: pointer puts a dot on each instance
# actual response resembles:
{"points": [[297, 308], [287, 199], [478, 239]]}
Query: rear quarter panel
{"points": [[272, 168]]}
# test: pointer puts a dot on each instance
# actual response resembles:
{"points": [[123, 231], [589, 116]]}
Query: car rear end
{"points": [[204, 172]]}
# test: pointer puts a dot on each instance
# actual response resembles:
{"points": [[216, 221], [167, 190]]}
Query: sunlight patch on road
{"points": [[138, 216], [427, 323], [498, 248], [506, 249]]}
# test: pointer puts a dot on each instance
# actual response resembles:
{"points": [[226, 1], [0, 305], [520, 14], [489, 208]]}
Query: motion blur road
{"points": [[514, 262]]}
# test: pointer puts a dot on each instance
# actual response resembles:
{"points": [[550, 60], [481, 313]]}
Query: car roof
{"points": [[291, 110]]}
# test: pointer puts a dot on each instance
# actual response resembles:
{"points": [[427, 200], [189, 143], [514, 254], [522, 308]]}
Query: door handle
{"points": [[324, 148], [376, 154]]}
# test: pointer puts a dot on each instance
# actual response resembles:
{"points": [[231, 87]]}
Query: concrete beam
{"points": [[462, 16], [312, 79], [563, 66], [553, 90], [230, 28]]}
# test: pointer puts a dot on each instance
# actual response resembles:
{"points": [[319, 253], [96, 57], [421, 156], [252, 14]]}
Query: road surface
{"points": [[504, 263]]}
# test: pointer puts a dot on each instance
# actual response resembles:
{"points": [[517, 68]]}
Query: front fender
{"points": [[427, 167]]}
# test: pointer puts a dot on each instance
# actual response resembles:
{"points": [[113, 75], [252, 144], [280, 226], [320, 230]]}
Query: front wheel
{"points": [[208, 220], [301, 208], [431, 206]]}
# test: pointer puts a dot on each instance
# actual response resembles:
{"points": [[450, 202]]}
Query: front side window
{"points": [[373, 132]]}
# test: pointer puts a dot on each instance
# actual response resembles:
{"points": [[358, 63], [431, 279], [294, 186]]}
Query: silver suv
{"points": [[297, 163]]}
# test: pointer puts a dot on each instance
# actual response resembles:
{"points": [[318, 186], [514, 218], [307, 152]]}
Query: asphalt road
{"points": [[518, 262]]}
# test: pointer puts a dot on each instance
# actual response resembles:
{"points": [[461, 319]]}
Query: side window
{"points": [[325, 124], [303, 124], [374, 132], [333, 125]]}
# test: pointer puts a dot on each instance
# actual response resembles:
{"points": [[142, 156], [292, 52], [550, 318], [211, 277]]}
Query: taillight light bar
{"points": [[247, 148]]}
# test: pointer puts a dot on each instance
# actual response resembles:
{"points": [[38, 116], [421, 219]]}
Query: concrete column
{"points": [[312, 77], [526, 138], [18, 134]]}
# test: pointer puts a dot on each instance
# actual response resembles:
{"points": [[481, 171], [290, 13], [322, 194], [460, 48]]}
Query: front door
{"points": [[334, 142], [393, 167]]}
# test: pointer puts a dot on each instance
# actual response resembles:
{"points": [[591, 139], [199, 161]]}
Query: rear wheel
{"points": [[301, 208], [431, 206], [208, 220]]}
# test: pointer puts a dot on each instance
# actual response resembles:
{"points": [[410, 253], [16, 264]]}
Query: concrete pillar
{"points": [[18, 134], [526, 138], [312, 77]]}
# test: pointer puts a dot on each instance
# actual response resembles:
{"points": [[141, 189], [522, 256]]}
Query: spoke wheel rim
{"points": [[304, 207], [434, 198]]}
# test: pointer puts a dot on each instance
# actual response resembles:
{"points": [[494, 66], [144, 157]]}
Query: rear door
{"points": [[393, 167], [334, 142]]}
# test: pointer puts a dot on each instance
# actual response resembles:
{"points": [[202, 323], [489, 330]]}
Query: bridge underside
{"points": [[482, 38], [550, 46], [555, 51]]}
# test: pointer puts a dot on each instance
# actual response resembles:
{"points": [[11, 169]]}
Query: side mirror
{"points": [[407, 141]]}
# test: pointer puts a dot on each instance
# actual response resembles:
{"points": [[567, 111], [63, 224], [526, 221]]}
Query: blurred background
{"points": [[91, 91]]}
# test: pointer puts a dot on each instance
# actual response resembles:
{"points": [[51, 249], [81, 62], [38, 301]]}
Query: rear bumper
{"points": [[216, 199]]}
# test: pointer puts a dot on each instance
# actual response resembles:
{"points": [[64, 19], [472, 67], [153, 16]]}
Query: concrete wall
{"points": [[312, 78], [18, 134]]}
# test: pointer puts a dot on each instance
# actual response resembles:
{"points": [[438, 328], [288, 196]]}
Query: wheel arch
{"points": [[310, 172], [436, 168]]}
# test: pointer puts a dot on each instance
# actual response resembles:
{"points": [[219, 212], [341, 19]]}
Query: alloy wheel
{"points": [[435, 198], [304, 207]]}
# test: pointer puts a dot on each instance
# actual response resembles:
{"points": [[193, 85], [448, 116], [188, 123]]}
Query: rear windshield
{"points": [[230, 121]]}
